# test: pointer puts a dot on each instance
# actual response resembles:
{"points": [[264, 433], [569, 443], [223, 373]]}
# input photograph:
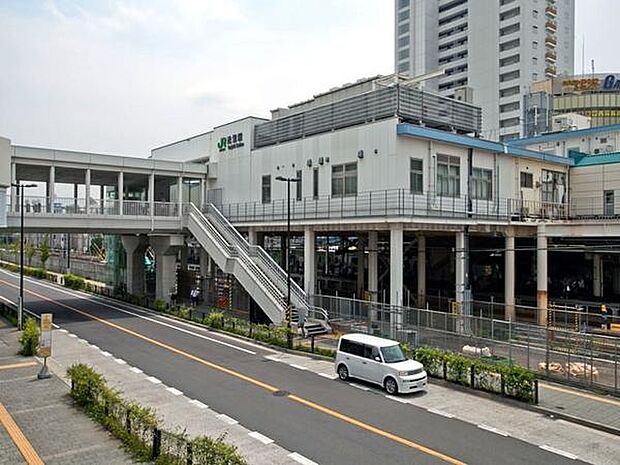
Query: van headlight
{"points": [[403, 373]]}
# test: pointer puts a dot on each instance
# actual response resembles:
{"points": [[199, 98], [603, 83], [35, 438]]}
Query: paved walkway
{"points": [[39, 424]]}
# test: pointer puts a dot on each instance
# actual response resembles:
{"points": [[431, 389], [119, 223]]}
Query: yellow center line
{"points": [[18, 365], [17, 436], [580, 394], [256, 382]]}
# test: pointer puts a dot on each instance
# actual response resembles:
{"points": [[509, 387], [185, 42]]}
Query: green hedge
{"points": [[511, 381], [39, 273], [140, 429], [29, 338], [73, 281]]}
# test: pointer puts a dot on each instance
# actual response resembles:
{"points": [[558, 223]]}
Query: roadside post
{"points": [[45, 346]]}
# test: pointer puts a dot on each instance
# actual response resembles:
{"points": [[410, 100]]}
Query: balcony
{"points": [[551, 71], [551, 26], [551, 57], [551, 40], [551, 11]]}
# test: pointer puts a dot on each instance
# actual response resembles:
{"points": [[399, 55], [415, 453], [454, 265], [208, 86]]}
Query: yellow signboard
{"points": [[45, 344]]}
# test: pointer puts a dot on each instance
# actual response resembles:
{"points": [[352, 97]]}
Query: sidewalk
{"points": [[574, 405], [45, 427]]}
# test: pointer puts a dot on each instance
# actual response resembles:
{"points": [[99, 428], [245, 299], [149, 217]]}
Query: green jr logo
{"points": [[222, 144]]}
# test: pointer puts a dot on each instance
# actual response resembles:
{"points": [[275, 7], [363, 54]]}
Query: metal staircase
{"points": [[254, 268]]}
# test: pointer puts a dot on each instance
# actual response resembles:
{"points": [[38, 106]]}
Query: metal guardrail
{"points": [[572, 357], [408, 103]]}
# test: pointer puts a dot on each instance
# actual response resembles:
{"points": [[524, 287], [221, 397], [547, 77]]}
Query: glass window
{"points": [[266, 189], [344, 180], [416, 176], [553, 186], [403, 4], [298, 185], [315, 183], [448, 176], [393, 354], [351, 347], [482, 184], [527, 180]]}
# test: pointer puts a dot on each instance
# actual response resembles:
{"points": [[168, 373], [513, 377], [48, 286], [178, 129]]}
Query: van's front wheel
{"points": [[391, 387], [343, 372]]}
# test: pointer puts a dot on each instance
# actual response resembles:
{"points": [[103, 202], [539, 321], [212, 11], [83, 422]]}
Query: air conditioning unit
{"points": [[569, 122]]}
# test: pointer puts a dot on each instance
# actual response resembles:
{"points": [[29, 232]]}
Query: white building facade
{"points": [[495, 47]]}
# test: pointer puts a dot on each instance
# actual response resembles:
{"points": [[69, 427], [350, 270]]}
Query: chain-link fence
{"points": [[562, 354]]}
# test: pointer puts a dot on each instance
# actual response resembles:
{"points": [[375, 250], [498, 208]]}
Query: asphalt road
{"points": [[326, 420]]}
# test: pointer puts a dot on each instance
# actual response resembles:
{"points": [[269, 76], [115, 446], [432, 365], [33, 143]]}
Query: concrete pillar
{"points": [[204, 262], [166, 249], [541, 275], [396, 269], [461, 268], [180, 194], [151, 194], [87, 190], [252, 239], [360, 269], [509, 278], [421, 271], [50, 189], [76, 202], [13, 189], [373, 265], [203, 193], [135, 246], [309, 261], [597, 275], [121, 191]]}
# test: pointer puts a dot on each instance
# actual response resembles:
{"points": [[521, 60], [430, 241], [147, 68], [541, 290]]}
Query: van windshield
{"points": [[393, 354]]}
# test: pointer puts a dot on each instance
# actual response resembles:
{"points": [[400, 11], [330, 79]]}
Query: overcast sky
{"points": [[124, 76]]}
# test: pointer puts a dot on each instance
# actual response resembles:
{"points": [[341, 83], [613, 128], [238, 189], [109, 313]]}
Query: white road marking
{"points": [[106, 354], [227, 419], [299, 367], [260, 437], [327, 375], [568, 455], [440, 412], [153, 380], [198, 404], [136, 370], [273, 358], [397, 399], [152, 320], [120, 361], [493, 430], [301, 459], [174, 391], [359, 386]]}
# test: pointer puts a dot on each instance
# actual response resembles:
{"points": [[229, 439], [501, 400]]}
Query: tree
{"points": [[29, 250], [44, 251]]}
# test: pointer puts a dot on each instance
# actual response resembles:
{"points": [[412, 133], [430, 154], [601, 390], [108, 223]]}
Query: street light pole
{"points": [[289, 313], [20, 304]]}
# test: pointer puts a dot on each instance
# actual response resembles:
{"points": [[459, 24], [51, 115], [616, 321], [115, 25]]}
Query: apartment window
{"points": [[266, 189], [482, 184], [298, 185], [509, 29], [403, 54], [403, 16], [403, 67], [403, 4], [509, 45], [448, 176], [508, 123], [344, 180], [403, 41], [553, 186], [505, 2], [527, 180], [315, 183], [509, 76], [403, 28], [510, 14], [509, 91], [511, 60], [416, 176], [509, 107]]}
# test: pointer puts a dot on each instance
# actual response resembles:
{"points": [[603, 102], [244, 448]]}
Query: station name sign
{"points": [[231, 142], [611, 82]]}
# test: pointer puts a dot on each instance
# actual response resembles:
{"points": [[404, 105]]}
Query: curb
{"points": [[579, 421]]}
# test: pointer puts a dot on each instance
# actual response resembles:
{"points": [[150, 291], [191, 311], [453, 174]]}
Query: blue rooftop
{"points": [[411, 130], [583, 159], [564, 135]]}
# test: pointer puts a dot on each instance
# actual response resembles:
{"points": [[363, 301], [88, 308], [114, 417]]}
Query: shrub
{"points": [[159, 305], [74, 282], [215, 320], [44, 251], [29, 339]]}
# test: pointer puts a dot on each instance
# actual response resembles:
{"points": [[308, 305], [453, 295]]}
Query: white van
{"points": [[380, 361]]}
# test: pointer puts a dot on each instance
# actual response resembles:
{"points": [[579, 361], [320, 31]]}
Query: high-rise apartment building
{"points": [[497, 48]]}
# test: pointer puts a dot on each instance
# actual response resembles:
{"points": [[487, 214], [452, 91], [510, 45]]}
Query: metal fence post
{"points": [[156, 450], [190, 453]]}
